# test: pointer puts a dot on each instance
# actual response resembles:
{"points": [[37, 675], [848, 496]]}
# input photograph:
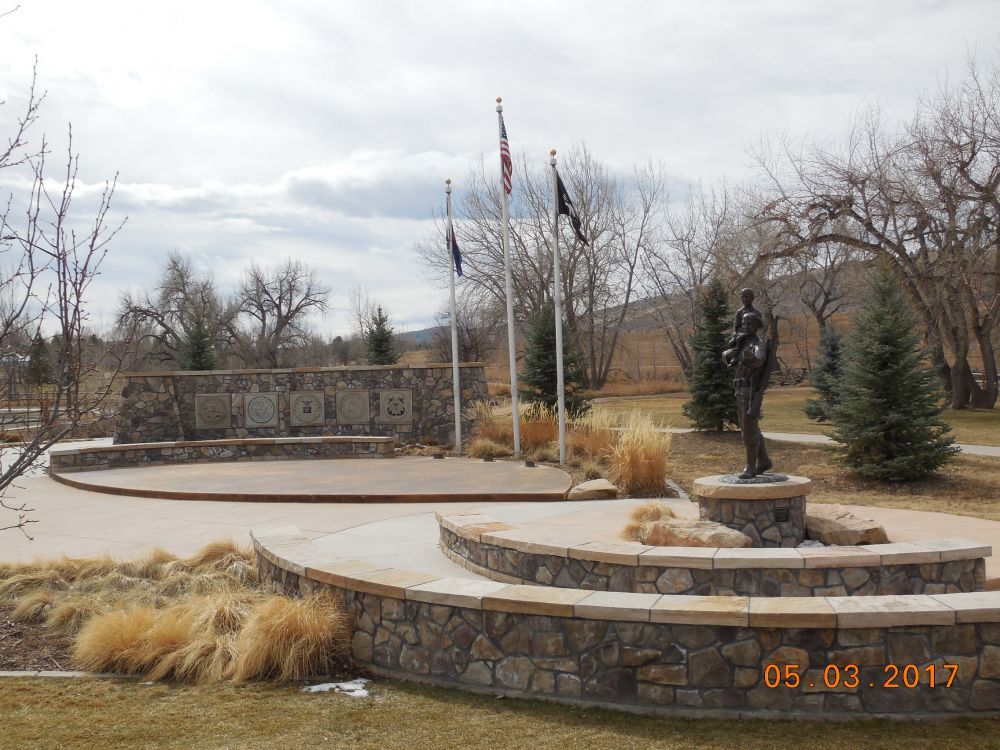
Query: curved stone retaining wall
{"points": [[409, 402], [524, 555], [696, 656], [204, 451]]}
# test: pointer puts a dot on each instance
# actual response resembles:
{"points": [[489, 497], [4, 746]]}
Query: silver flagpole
{"points": [[455, 384], [557, 298], [509, 284]]}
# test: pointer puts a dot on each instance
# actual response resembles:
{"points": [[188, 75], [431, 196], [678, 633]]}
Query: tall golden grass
{"points": [[538, 424], [631, 446], [199, 618], [592, 436], [639, 457]]}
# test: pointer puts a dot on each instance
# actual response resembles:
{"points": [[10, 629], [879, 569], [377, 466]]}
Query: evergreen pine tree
{"points": [[379, 340], [826, 376], [38, 371], [540, 377], [888, 419], [197, 352], [713, 401]]}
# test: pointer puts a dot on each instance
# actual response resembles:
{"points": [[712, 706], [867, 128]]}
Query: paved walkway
{"points": [[79, 523], [809, 438]]}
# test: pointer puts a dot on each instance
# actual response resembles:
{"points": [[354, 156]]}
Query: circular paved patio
{"points": [[401, 479]]}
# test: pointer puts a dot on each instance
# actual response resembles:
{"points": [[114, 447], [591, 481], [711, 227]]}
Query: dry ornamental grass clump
{"points": [[642, 518], [639, 457], [486, 448], [592, 437], [539, 425], [200, 618]]}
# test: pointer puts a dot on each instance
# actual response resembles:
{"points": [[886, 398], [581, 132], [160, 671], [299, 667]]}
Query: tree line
{"points": [[921, 196], [185, 321]]}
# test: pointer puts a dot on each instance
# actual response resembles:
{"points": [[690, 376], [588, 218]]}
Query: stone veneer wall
{"points": [[616, 657], [569, 570], [756, 518], [160, 406], [197, 451]]}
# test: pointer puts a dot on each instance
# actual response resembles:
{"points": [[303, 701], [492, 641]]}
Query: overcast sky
{"points": [[325, 130]]}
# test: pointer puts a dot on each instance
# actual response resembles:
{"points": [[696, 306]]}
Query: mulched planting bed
{"points": [[27, 646]]}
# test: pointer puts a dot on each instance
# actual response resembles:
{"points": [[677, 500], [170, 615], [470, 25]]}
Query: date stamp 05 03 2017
{"points": [[849, 676]]}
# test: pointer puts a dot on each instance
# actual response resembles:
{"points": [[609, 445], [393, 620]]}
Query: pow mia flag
{"points": [[566, 207]]}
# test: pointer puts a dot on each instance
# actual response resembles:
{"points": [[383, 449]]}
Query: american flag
{"points": [[505, 162]]}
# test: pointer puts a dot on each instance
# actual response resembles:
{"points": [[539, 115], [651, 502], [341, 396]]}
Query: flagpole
{"points": [[455, 384], [509, 289], [557, 298]]}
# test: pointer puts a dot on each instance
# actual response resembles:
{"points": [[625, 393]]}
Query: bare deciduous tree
{"points": [[695, 238], [163, 319], [923, 197], [599, 279], [274, 309], [479, 330], [54, 260]]}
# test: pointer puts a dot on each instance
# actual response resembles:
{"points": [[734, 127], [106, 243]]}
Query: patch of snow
{"points": [[812, 543], [353, 688]]}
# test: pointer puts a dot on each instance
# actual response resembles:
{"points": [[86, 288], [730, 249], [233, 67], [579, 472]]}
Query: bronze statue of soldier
{"points": [[752, 361]]}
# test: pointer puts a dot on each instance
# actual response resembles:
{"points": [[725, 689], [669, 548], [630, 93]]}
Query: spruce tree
{"points": [[379, 340], [540, 377], [826, 376], [197, 352], [713, 401], [888, 419], [39, 368]]}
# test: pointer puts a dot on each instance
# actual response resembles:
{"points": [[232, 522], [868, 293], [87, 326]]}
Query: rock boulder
{"points": [[678, 532], [595, 489], [834, 524]]}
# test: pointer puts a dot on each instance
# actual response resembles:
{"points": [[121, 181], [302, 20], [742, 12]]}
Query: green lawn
{"points": [[90, 714], [783, 413]]}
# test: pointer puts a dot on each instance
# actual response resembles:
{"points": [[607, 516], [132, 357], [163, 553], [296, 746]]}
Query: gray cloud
{"points": [[248, 130]]}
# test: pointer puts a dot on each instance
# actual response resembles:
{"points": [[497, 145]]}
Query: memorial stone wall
{"points": [[412, 403]]}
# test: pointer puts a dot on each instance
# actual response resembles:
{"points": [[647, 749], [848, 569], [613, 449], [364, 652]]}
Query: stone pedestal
{"points": [[772, 514]]}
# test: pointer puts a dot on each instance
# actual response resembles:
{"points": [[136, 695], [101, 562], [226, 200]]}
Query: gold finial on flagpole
{"points": [[552, 152], [499, 100], [448, 181]]}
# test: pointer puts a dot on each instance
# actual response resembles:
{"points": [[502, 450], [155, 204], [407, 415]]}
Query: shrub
{"points": [[888, 419], [486, 448], [713, 401], [591, 469], [826, 377], [540, 377], [639, 459], [546, 454]]}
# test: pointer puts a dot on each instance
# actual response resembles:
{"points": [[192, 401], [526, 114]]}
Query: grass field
{"points": [[783, 413], [968, 486], [79, 714]]}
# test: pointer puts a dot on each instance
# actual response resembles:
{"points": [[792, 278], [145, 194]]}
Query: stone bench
{"points": [[652, 653], [572, 559], [123, 455]]}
